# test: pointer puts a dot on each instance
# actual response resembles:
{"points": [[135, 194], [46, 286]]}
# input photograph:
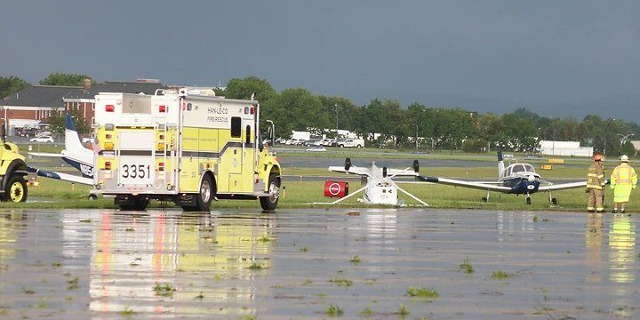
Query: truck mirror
{"points": [[271, 133]]}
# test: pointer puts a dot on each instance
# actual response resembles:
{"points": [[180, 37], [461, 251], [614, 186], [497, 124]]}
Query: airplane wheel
{"points": [[484, 199], [93, 197], [528, 200], [554, 201]]}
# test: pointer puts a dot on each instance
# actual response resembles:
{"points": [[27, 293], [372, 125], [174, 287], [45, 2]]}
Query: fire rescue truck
{"points": [[182, 146]]}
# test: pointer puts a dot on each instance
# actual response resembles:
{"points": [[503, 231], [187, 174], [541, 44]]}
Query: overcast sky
{"points": [[557, 58]]}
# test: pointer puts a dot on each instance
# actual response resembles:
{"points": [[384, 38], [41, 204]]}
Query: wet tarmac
{"points": [[316, 264]]}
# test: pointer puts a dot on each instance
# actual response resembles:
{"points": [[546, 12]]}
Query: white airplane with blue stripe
{"points": [[74, 153]]}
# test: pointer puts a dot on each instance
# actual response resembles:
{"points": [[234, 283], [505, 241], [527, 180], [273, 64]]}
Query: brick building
{"points": [[28, 110]]}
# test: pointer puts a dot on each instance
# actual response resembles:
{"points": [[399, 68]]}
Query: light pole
{"points": [[416, 136], [606, 132], [337, 128], [625, 137], [418, 118]]}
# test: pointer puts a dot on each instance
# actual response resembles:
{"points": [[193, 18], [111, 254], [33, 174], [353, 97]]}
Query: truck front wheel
{"points": [[16, 190], [270, 202]]}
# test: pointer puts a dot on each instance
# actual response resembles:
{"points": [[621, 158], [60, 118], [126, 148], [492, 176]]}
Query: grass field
{"points": [[298, 193], [303, 194]]}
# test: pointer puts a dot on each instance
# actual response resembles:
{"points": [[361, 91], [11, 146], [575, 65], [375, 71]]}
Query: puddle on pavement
{"points": [[355, 263]]}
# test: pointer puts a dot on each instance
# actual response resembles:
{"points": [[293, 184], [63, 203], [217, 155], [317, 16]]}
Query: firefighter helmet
{"points": [[624, 158]]}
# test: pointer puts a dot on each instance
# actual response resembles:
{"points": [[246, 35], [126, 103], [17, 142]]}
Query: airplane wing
{"points": [[398, 172], [42, 154], [562, 186], [61, 176], [352, 170], [466, 184]]}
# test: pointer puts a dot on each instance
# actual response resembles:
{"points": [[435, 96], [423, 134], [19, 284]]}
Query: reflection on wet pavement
{"points": [[356, 263]]}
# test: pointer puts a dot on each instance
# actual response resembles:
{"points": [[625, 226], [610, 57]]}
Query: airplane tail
{"points": [[500, 163], [71, 139]]}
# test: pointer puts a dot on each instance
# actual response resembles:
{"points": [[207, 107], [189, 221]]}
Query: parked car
{"points": [[329, 142], [310, 143], [42, 139]]}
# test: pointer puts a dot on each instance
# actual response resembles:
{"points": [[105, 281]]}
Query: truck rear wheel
{"points": [[204, 197], [16, 190], [270, 202], [135, 203]]}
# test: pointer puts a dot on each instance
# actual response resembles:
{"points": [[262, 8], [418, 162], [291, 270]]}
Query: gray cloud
{"points": [[558, 58]]}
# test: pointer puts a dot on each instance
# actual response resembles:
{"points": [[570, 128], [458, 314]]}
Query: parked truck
{"points": [[183, 147], [351, 143]]}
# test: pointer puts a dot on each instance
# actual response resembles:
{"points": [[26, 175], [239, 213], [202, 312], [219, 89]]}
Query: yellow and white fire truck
{"points": [[182, 146]]}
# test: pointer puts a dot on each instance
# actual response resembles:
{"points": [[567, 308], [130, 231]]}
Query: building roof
{"points": [[40, 96], [116, 86], [52, 96]]}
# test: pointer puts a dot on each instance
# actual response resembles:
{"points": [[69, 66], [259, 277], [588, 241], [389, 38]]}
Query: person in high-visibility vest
{"points": [[623, 180], [595, 185]]}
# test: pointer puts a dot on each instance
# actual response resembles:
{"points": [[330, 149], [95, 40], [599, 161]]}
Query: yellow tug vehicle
{"points": [[13, 170]]}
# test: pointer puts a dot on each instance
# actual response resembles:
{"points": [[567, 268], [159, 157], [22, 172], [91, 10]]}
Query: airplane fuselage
{"points": [[521, 185], [381, 192]]}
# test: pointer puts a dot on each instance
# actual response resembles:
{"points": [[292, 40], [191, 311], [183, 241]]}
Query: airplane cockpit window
{"points": [[518, 168], [529, 168]]}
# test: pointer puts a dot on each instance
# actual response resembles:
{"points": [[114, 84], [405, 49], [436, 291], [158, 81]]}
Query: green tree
{"points": [[378, 119], [9, 85], [520, 132], [340, 112], [57, 122], [65, 79], [490, 129], [295, 109], [244, 88], [453, 126]]}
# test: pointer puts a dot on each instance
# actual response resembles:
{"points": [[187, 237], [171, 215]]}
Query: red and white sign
{"points": [[336, 188]]}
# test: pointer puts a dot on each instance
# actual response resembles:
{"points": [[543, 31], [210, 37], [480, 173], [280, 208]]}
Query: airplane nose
{"points": [[531, 178]]}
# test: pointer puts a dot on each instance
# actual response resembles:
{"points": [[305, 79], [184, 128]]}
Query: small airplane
{"points": [[74, 153], [517, 178], [380, 187]]}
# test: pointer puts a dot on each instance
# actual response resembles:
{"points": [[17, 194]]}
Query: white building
{"points": [[565, 148]]}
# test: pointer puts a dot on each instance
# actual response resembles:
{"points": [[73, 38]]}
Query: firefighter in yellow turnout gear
{"points": [[623, 180], [595, 185]]}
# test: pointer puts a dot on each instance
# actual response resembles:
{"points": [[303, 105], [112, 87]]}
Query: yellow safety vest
{"points": [[624, 175]]}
